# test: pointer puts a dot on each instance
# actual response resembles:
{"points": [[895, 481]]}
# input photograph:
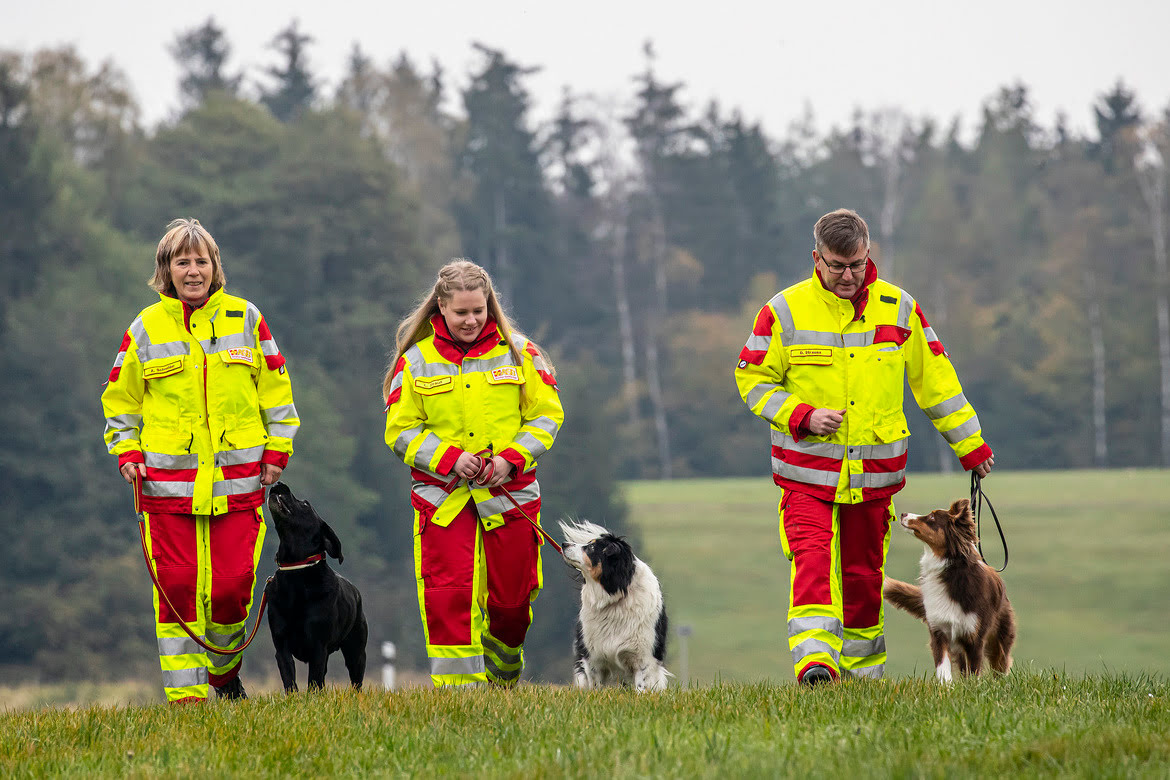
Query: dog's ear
{"points": [[332, 543], [960, 507]]}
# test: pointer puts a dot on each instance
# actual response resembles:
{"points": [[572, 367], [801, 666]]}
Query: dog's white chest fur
{"points": [[942, 612], [619, 630]]}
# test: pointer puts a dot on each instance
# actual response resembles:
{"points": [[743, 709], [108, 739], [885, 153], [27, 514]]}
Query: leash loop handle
{"points": [[154, 578], [977, 499]]}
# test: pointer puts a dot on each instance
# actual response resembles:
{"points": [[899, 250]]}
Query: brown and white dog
{"points": [[962, 600]]}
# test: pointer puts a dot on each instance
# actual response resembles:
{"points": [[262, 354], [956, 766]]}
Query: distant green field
{"points": [[1088, 575]]}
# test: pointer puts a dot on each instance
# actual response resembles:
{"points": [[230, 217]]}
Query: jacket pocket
{"points": [[239, 356], [891, 428], [505, 375]]}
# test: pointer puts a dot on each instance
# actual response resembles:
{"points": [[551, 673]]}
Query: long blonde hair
{"points": [[459, 275]]}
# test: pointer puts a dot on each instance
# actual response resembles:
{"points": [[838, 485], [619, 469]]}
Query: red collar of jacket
{"points": [[450, 348], [178, 307], [861, 297]]}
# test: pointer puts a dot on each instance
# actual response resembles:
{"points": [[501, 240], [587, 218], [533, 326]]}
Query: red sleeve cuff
{"points": [[515, 458], [274, 458], [797, 423], [447, 462], [131, 456], [976, 456]]}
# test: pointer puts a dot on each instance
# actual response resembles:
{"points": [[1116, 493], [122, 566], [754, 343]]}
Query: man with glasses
{"points": [[824, 366]]}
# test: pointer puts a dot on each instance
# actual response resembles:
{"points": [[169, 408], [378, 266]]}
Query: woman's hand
{"points": [[466, 466], [128, 469], [501, 472], [269, 474]]}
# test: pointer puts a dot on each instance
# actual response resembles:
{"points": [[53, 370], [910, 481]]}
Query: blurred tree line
{"points": [[634, 243]]}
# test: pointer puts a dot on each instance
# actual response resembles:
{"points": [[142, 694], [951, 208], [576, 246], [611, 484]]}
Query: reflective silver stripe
{"points": [[429, 370], [820, 338], [472, 665], [152, 487], [875, 672], [529, 442], [184, 678], [775, 404], [396, 382], [784, 317], [810, 646], [178, 645], [546, 424], [432, 494], [499, 504], [876, 479], [958, 433], [799, 625], [236, 487], [223, 640], [506, 655], [758, 343], [930, 334], [123, 422], [863, 648], [757, 393], [166, 349], [949, 406], [251, 317], [805, 475], [883, 451], [402, 443], [475, 365], [159, 460], [539, 364], [823, 449], [269, 348], [905, 310], [428, 449], [224, 343], [858, 339], [503, 675], [239, 457], [284, 431], [120, 436], [119, 359]]}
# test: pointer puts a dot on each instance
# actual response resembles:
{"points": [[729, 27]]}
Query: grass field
{"points": [[1026, 724], [1088, 573]]}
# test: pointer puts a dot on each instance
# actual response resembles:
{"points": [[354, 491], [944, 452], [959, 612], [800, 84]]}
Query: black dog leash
{"points": [[977, 499]]}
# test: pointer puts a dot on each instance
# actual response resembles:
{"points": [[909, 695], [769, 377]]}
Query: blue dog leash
{"points": [[977, 499]]}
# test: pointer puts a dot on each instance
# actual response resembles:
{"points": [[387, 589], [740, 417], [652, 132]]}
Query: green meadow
{"points": [[1088, 572]]}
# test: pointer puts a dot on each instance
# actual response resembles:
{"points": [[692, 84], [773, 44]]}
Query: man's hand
{"points": [[984, 468], [269, 474], [825, 422], [128, 470]]}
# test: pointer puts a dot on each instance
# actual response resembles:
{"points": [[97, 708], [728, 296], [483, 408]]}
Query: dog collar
{"points": [[306, 563]]}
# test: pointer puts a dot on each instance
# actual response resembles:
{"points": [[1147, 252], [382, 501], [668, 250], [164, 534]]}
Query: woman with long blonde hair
{"points": [[470, 406]]}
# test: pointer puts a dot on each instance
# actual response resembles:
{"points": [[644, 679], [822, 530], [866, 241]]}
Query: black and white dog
{"points": [[621, 628]]}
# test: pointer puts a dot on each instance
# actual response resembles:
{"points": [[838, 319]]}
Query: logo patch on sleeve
{"points": [[240, 355], [505, 374], [743, 364]]}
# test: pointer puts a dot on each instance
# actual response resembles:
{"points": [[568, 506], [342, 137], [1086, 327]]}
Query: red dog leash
{"points": [[483, 475], [167, 599]]}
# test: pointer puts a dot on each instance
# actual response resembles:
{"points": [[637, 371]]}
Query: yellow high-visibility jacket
{"points": [[810, 349], [202, 397], [444, 401]]}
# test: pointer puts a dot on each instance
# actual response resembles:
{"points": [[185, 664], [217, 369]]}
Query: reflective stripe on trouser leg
{"points": [[809, 535], [510, 556], [234, 543], [865, 541], [449, 574], [172, 541]]}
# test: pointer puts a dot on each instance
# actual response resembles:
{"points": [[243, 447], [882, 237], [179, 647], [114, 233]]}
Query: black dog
{"points": [[312, 611]]}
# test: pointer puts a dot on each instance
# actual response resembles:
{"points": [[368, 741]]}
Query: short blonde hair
{"points": [[183, 235]]}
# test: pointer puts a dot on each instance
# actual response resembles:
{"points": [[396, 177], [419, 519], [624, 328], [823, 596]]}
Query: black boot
{"points": [[815, 675], [231, 690]]}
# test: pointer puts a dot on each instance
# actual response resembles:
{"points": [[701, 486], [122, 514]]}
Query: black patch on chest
{"points": [[233, 314], [888, 299]]}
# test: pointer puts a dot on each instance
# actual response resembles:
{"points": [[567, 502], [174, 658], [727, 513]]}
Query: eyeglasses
{"points": [[839, 268]]}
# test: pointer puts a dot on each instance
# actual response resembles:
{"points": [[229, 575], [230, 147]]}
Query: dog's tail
{"points": [[581, 532], [904, 596]]}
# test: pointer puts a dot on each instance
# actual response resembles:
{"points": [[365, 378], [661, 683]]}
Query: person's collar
{"points": [[859, 298], [455, 350], [172, 301]]}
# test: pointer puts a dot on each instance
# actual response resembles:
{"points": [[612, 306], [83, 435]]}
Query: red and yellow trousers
{"points": [[838, 554], [475, 593], [207, 565]]}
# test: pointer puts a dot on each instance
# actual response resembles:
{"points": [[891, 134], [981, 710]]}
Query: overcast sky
{"points": [[768, 59]]}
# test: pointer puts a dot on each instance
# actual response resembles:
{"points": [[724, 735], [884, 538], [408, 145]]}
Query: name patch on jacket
{"points": [[240, 355], [437, 384], [505, 374], [159, 369], [810, 356]]}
